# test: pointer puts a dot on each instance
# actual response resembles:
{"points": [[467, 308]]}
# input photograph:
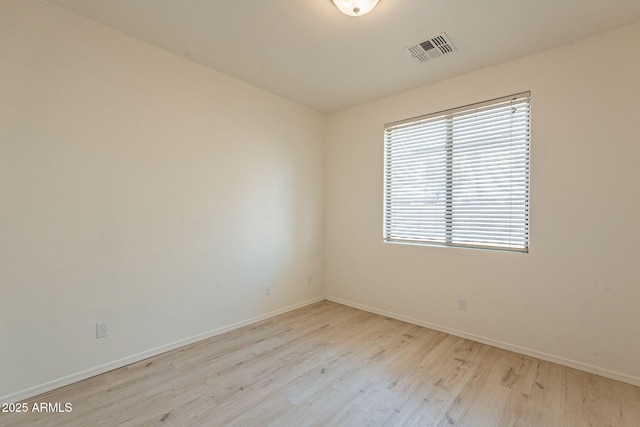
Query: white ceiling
{"points": [[310, 53]]}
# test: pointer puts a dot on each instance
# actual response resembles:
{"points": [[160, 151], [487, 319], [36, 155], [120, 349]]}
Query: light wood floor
{"points": [[332, 365]]}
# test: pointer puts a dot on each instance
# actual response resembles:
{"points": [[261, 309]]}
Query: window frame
{"points": [[448, 116]]}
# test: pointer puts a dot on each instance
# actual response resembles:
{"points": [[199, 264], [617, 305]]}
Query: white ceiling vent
{"points": [[432, 48]]}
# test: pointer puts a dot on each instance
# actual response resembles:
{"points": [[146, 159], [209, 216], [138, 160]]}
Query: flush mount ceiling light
{"points": [[355, 7]]}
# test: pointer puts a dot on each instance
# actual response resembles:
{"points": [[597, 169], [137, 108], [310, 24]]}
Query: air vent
{"points": [[432, 48]]}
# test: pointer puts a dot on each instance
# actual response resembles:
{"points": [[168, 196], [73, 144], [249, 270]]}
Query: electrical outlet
{"points": [[309, 281], [462, 303], [267, 290], [102, 329]]}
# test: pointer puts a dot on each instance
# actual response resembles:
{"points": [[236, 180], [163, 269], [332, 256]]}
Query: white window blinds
{"points": [[460, 177]]}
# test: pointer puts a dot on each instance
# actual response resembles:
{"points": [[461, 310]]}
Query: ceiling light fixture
{"points": [[355, 7]]}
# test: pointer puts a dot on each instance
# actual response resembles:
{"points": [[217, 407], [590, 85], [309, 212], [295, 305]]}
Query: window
{"points": [[460, 177]]}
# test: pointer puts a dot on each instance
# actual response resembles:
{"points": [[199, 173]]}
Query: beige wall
{"points": [[144, 190], [574, 297]]}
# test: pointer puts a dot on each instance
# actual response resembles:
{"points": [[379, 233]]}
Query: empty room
{"points": [[319, 213]]}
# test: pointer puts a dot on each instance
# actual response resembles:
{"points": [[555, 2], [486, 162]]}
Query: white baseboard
{"points": [[503, 345], [79, 376]]}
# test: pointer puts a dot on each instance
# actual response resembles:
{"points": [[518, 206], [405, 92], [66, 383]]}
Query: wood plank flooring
{"points": [[332, 365]]}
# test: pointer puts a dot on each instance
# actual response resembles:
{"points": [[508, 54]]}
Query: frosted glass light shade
{"points": [[355, 7]]}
